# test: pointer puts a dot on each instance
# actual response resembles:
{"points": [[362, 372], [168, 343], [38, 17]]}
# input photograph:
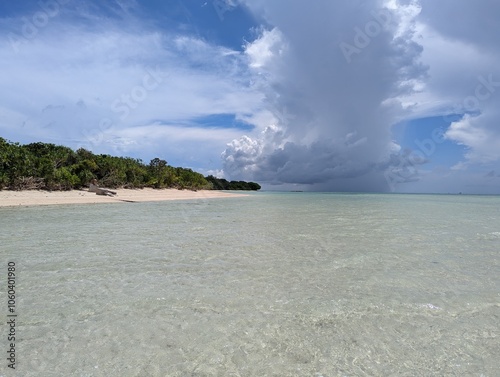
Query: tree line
{"points": [[45, 166]]}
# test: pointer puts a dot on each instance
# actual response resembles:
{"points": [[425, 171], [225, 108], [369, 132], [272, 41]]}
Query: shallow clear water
{"points": [[289, 284]]}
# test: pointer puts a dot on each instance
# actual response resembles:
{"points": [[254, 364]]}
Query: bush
{"points": [[52, 167]]}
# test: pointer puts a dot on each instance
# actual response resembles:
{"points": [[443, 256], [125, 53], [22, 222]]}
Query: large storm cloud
{"points": [[339, 74]]}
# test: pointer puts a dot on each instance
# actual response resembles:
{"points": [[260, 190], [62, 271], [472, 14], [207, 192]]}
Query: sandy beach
{"points": [[36, 198]]}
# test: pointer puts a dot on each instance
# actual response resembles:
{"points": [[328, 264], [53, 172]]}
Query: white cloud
{"points": [[333, 112], [461, 49], [480, 135], [398, 60], [335, 76], [89, 84], [266, 48]]}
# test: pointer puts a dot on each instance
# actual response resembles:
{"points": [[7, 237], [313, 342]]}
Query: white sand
{"points": [[34, 198]]}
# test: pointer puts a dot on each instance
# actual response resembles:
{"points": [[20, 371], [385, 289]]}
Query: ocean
{"points": [[273, 284]]}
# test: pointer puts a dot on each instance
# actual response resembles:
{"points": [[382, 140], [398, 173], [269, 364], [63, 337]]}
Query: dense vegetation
{"points": [[53, 167], [222, 184]]}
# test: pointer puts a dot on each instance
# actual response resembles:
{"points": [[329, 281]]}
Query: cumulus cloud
{"points": [[321, 86], [266, 48], [463, 58], [333, 71], [85, 80], [461, 49], [480, 134], [339, 75]]}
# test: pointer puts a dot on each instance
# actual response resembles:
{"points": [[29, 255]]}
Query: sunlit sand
{"points": [[33, 198]]}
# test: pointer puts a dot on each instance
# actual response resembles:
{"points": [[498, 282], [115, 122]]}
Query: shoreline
{"points": [[40, 198]]}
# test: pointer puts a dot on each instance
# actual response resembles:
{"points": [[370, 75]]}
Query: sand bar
{"points": [[36, 198]]}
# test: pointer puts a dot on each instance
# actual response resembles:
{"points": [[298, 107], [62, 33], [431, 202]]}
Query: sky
{"points": [[347, 95]]}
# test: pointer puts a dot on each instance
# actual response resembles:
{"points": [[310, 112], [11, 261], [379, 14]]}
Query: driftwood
{"points": [[101, 191], [28, 183]]}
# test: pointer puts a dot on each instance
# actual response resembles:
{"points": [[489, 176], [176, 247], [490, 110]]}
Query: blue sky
{"points": [[380, 95]]}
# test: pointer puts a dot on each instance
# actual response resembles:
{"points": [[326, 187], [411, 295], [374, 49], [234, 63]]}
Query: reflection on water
{"points": [[268, 285]]}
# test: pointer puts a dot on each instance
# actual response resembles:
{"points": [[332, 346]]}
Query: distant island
{"points": [[44, 166]]}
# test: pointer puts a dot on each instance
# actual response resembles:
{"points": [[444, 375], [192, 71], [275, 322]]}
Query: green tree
{"points": [[160, 174], [54, 167]]}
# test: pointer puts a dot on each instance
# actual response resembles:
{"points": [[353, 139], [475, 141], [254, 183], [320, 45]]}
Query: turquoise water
{"points": [[273, 284]]}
